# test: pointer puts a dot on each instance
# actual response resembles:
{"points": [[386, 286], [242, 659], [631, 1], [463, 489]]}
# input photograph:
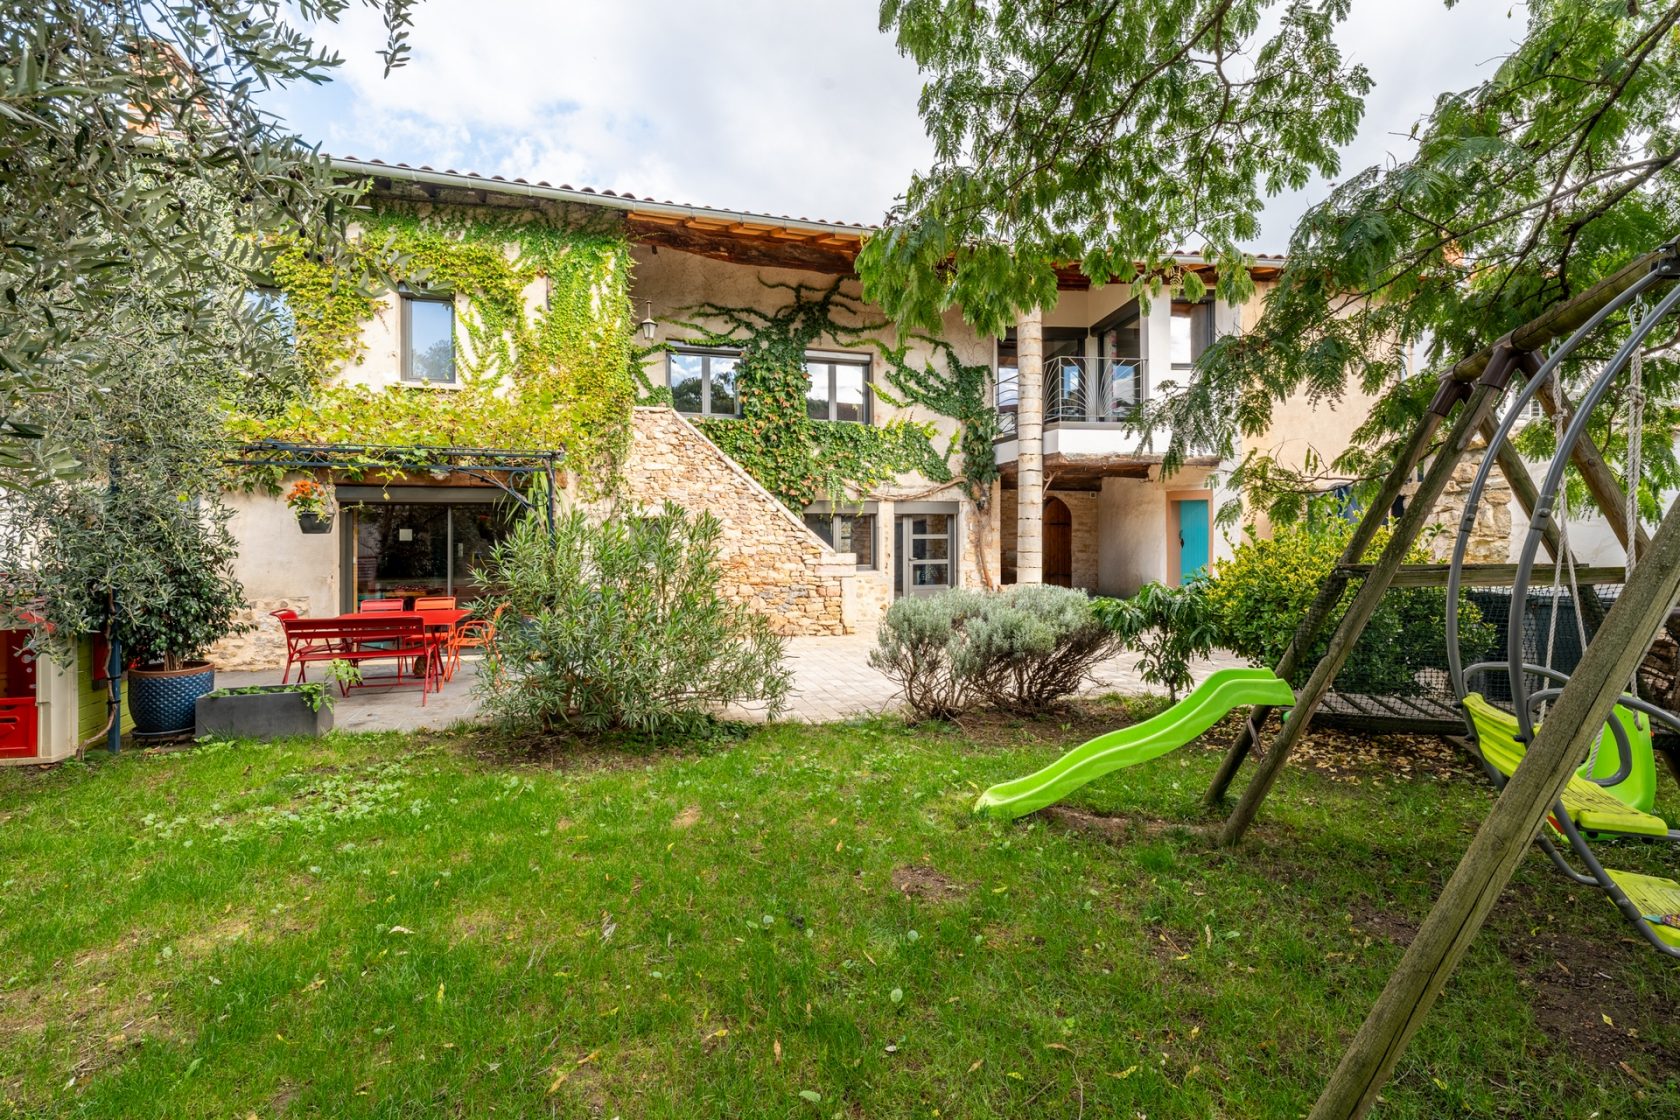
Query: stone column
{"points": [[1029, 505]]}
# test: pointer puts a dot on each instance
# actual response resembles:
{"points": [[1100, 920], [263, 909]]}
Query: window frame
{"points": [[831, 359], [853, 510], [705, 354], [1212, 330], [408, 297]]}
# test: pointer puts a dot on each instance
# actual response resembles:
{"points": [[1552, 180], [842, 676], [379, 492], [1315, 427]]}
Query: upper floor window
{"points": [[428, 333], [837, 389], [1192, 331], [702, 382]]}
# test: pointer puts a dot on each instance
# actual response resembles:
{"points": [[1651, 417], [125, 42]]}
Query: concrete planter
{"points": [[276, 712]]}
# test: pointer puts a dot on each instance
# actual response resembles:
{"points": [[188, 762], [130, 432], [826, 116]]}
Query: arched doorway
{"points": [[1058, 543]]}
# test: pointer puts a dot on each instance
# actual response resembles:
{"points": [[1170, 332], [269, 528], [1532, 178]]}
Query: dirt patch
{"points": [[1118, 829], [1386, 924], [924, 882], [1578, 998], [686, 819]]}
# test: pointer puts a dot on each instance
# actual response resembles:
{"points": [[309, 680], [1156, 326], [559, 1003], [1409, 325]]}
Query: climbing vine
{"points": [[801, 460], [557, 375]]}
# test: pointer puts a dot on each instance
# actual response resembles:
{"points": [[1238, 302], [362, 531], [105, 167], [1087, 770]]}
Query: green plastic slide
{"points": [[1184, 721]]}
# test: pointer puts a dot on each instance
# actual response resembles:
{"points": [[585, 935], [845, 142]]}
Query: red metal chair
{"points": [[474, 633], [434, 602], [375, 606]]}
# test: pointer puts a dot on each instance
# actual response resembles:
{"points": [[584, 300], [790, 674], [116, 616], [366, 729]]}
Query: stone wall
{"points": [[771, 561], [264, 646], [1490, 538]]}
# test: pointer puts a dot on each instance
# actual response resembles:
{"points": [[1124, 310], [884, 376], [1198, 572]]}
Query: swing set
{"points": [[1572, 754]]}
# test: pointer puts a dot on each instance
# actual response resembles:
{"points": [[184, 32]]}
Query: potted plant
{"points": [[181, 599], [313, 504]]}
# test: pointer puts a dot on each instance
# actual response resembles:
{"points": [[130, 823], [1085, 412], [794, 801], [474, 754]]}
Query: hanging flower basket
{"points": [[314, 505]]}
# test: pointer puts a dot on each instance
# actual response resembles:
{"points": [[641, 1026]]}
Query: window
{"points": [[837, 389], [845, 532], [428, 339], [1192, 332], [1120, 357], [703, 382], [423, 548]]}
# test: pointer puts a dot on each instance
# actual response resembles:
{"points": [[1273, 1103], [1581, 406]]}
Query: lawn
{"points": [[797, 922]]}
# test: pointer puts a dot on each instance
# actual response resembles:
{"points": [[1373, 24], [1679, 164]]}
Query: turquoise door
{"points": [[1192, 538]]}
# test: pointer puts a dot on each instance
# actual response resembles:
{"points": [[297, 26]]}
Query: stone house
{"points": [[1075, 487]]}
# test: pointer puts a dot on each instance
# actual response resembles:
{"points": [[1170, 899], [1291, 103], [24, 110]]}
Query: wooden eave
{"points": [[756, 243]]}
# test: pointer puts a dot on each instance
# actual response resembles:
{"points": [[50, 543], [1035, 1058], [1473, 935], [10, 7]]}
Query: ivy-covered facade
{"points": [[857, 462]]}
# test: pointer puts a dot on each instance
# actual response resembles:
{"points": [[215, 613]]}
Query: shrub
{"points": [[1169, 626], [1258, 598], [916, 647], [619, 624], [1032, 645], [1020, 649]]}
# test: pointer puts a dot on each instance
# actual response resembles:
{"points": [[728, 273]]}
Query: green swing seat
{"points": [[1593, 809]]}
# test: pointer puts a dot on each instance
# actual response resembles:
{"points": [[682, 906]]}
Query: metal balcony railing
{"points": [[1078, 391]]}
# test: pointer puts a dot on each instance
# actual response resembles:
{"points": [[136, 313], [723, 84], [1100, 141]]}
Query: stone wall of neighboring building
{"points": [[263, 646], [1490, 539], [771, 561]]}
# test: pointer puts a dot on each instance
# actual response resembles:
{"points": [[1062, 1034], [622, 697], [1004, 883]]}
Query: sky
{"points": [[798, 107]]}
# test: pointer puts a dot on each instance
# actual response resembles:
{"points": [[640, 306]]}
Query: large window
{"points": [[404, 549], [1192, 332], [837, 389], [428, 329], [703, 382], [845, 532]]}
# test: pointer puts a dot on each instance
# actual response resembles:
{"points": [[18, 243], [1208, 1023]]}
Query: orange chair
{"points": [[434, 602], [474, 633], [371, 606]]}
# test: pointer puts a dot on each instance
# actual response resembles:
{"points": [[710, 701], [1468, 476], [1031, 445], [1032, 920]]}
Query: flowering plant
{"points": [[310, 497]]}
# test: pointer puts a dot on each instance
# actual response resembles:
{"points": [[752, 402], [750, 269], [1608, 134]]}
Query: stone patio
{"points": [[832, 680]]}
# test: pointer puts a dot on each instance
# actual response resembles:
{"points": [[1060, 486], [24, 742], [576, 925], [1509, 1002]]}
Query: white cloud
{"points": [[799, 107]]}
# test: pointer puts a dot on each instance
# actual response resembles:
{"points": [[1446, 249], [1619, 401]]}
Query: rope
{"points": [[1635, 455]]}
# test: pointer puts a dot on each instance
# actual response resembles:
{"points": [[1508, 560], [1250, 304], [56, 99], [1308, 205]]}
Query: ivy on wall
{"points": [[554, 375], [801, 460]]}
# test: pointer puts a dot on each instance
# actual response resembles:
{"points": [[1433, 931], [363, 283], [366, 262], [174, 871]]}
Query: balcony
{"points": [[1077, 391]]}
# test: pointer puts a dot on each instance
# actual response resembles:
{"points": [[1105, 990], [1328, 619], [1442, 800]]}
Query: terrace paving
{"points": [[832, 680]]}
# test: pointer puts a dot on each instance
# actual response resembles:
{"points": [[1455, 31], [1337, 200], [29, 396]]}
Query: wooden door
{"points": [[1058, 543]]}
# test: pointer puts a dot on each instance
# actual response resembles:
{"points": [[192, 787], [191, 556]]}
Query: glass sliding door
{"points": [[408, 549], [1120, 358]]}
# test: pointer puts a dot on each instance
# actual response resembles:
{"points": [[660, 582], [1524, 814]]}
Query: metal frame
{"points": [[486, 464]]}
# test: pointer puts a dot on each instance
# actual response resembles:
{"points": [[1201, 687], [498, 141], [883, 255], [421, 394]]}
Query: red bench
{"points": [[361, 638]]}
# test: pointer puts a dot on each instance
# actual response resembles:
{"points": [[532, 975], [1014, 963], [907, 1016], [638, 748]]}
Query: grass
{"points": [[804, 922]]}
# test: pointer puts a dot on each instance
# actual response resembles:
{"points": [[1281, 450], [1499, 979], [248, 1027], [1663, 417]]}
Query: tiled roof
{"points": [[626, 200], [622, 199]]}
